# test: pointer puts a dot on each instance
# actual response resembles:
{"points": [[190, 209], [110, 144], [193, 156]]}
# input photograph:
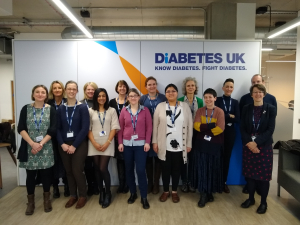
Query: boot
{"points": [[102, 196], [149, 171], [157, 173], [107, 200], [203, 200], [56, 193], [30, 205], [47, 202]]}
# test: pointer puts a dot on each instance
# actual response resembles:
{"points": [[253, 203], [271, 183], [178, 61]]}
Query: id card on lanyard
{"points": [[103, 132], [118, 103], [173, 129], [255, 127], [70, 132], [207, 137], [228, 112], [37, 126], [135, 135]]}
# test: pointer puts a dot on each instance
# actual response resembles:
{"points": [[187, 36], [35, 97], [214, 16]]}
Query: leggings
{"points": [[264, 187], [102, 173], [46, 177]]}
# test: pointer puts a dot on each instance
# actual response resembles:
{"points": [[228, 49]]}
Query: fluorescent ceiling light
{"points": [[73, 16], [267, 49], [279, 61], [288, 26]]}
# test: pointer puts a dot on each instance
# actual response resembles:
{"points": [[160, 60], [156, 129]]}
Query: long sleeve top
{"points": [[80, 124]]}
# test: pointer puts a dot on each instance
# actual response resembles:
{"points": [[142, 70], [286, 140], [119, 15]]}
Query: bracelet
{"points": [[109, 141]]}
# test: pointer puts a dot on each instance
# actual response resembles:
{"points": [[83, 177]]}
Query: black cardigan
{"points": [[266, 127], [22, 125]]}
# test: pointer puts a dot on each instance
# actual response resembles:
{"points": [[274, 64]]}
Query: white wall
{"points": [[38, 36], [6, 76]]}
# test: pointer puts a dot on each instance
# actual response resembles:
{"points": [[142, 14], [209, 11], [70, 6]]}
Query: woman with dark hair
{"points": [[257, 127], [118, 103], [55, 99], [37, 125], [151, 100], [231, 110], [104, 124], [208, 141], [172, 139], [134, 140], [72, 129]]}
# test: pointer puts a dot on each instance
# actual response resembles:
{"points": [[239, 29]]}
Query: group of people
{"points": [[155, 135]]}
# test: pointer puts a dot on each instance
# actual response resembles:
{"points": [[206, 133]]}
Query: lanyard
{"points": [[136, 118], [173, 115], [193, 105], [211, 115], [34, 116], [67, 115], [56, 106], [225, 105], [255, 128], [118, 103], [86, 104], [102, 123], [155, 101]]}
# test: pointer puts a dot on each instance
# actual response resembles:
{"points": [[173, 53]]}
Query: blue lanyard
{"points": [[173, 115], [86, 104], [102, 123], [136, 118], [56, 106], [71, 119], [34, 116], [193, 106], [226, 107], [118, 103], [255, 128], [211, 115], [155, 100]]}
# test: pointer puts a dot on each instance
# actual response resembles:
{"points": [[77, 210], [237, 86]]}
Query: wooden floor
{"points": [[224, 210]]}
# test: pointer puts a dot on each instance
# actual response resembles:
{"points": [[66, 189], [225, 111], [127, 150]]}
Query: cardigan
{"points": [[22, 125], [265, 129], [160, 126]]}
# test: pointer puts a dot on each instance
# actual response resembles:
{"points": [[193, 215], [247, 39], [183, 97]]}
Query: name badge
{"points": [[70, 134], [172, 129], [253, 138], [39, 138], [207, 138], [102, 133], [229, 124], [135, 136]]}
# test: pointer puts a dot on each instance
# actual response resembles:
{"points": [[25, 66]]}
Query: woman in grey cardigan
{"points": [[172, 139]]}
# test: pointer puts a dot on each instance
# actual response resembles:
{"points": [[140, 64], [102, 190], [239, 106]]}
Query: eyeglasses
{"points": [[133, 96], [258, 92], [169, 92]]}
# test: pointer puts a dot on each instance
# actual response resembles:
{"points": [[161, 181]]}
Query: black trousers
{"points": [[171, 167], [229, 138], [46, 178]]}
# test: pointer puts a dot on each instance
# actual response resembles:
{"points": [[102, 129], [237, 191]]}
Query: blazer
{"points": [[160, 125], [266, 127]]}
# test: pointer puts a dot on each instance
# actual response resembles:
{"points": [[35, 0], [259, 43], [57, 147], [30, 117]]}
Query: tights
{"points": [[46, 178], [102, 173], [264, 187]]}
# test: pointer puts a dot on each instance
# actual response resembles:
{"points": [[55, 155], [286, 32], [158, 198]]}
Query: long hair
{"points": [[94, 85], [95, 99], [50, 95]]}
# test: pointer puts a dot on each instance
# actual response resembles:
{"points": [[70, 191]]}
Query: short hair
{"points": [[50, 96], [258, 75], [184, 84], [122, 82], [134, 90], [71, 82], [38, 86], [210, 91], [150, 78], [171, 85], [228, 80], [95, 99], [94, 85], [260, 87]]}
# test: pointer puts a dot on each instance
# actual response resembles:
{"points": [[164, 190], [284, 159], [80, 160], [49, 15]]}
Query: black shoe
{"points": [[125, 189], [132, 198], [203, 200], [120, 188], [245, 190], [107, 200], [185, 187], [246, 204], [145, 203], [191, 188], [90, 190], [262, 208], [66, 191], [210, 197], [96, 190], [56, 193], [101, 197]]}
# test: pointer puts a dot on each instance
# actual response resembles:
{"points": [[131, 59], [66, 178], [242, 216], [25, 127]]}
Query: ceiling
{"points": [[43, 16]]}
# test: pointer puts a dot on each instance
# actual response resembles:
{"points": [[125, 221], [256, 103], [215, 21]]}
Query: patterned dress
{"points": [[45, 158], [258, 166]]}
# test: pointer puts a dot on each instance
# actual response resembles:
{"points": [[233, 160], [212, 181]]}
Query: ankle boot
{"points": [[30, 205], [56, 193], [203, 200], [47, 202], [107, 200], [102, 196], [157, 173]]}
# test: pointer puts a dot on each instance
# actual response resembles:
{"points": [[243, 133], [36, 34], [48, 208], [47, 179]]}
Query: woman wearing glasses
{"points": [[151, 100], [172, 139], [72, 128], [257, 127], [134, 140]]}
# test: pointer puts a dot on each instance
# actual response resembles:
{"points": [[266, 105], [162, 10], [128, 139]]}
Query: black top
{"points": [[52, 102], [266, 127], [113, 103], [88, 101]]}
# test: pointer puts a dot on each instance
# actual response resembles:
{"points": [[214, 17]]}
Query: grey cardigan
{"points": [[160, 125]]}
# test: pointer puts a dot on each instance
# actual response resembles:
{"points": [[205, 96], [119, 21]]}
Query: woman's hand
{"points": [[36, 146], [121, 147], [97, 146], [155, 147], [34, 152], [71, 150], [104, 147], [255, 150], [146, 147], [65, 147], [188, 149], [232, 116], [251, 145]]}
